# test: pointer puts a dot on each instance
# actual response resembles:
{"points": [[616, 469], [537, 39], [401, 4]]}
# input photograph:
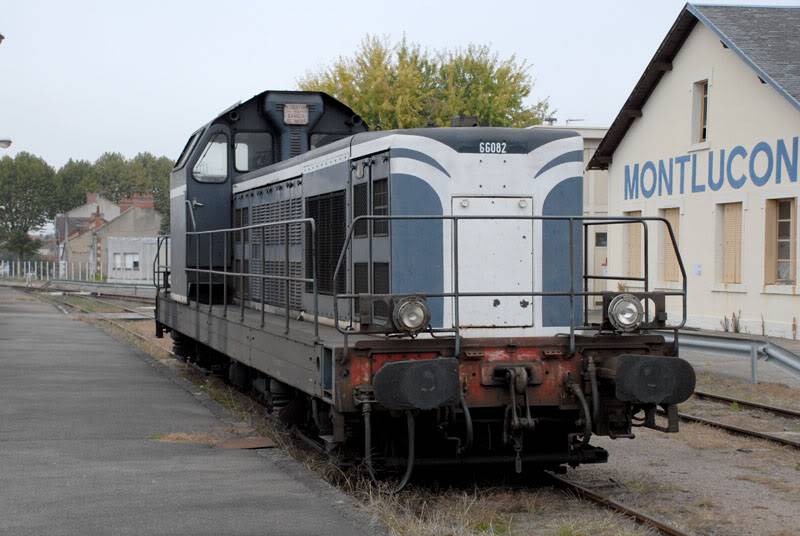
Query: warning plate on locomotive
{"points": [[295, 114]]}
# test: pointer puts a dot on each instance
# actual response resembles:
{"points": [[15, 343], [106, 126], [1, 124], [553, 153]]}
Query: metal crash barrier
{"points": [[739, 347]]}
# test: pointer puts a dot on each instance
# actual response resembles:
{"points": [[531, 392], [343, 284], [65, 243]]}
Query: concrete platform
{"points": [[78, 414]]}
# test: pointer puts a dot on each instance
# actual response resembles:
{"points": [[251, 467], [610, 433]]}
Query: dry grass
{"points": [[493, 512], [199, 438], [765, 393], [772, 483]]}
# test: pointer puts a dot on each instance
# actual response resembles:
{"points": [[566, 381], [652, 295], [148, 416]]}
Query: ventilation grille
{"points": [[272, 262], [328, 211], [295, 141], [274, 289], [287, 209]]}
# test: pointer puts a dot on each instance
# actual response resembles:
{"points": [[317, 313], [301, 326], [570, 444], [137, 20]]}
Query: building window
{"points": [[700, 112], [131, 261], [669, 257], [781, 241], [117, 261], [600, 240], [634, 244], [731, 242]]}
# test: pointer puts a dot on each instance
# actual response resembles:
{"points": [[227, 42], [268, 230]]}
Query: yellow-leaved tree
{"points": [[403, 86]]}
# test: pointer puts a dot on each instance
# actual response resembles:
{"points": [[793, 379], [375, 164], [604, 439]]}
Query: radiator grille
{"points": [[328, 211], [272, 262]]}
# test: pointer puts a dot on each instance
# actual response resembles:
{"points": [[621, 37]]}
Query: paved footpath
{"points": [[76, 410]]}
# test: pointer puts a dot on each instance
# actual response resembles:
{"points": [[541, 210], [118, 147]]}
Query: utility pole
{"points": [[4, 143]]}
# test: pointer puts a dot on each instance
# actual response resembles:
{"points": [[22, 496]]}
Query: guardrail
{"points": [[739, 347], [572, 292], [238, 254]]}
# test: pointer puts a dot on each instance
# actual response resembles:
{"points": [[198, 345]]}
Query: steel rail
{"points": [[737, 430], [122, 327], [640, 517], [784, 412]]}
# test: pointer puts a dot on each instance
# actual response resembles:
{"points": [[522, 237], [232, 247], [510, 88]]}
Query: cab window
{"points": [[187, 149], [213, 163], [252, 150]]}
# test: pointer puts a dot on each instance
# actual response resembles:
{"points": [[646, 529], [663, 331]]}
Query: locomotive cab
{"points": [[245, 138]]}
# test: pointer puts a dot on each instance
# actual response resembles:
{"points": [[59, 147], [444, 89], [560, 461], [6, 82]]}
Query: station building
{"points": [[708, 140]]}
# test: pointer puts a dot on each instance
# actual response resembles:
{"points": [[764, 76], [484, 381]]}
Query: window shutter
{"points": [[770, 241], [634, 245], [732, 243], [668, 255]]}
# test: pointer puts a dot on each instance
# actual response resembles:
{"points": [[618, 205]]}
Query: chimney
{"points": [[138, 200]]}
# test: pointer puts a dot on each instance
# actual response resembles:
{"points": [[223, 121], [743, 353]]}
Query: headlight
{"points": [[411, 314], [625, 312]]}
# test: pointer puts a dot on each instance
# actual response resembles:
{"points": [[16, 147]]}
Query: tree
{"points": [[27, 186], [151, 174], [402, 86], [73, 179], [112, 177]]}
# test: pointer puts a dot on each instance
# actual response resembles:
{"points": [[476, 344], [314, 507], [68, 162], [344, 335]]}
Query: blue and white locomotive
{"points": [[432, 278]]}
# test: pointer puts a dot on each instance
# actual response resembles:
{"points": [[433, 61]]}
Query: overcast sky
{"points": [[80, 78]]}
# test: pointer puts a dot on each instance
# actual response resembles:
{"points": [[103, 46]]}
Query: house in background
{"points": [[126, 246], [108, 241], [72, 225], [708, 140]]}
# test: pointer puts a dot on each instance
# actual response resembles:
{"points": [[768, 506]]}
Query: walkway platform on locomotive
{"points": [[81, 418]]}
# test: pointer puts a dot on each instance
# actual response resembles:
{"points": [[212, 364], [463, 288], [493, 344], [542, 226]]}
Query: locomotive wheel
{"points": [[181, 345]]}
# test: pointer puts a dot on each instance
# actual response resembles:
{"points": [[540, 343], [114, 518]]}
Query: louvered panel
{"points": [[671, 270], [634, 245], [732, 243], [271, 260]]}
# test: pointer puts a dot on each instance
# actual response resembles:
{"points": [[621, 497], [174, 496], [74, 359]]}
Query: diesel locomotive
{"points": [[415, 296]]}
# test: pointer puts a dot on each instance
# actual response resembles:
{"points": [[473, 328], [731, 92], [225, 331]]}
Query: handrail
{"points": [[308, 223], [161, 239], [740, 346], [571, 293]]}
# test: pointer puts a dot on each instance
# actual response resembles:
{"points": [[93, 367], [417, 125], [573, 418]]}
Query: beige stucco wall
{"points": [[742, 112], [108, 209]]}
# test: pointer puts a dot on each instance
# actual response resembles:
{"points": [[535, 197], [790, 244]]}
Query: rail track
{"points": [[783, 412], [556, 481], [738, 430], [579, 490], [607, 502], [120, 325]]}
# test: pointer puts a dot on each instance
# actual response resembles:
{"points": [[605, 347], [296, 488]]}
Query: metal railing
{"points": [[84, 271], [740, 347], [230, 254], [572, 293], [161, 272]]}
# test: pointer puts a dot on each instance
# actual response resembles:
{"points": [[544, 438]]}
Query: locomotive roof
{"points": [[461, 139]]}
